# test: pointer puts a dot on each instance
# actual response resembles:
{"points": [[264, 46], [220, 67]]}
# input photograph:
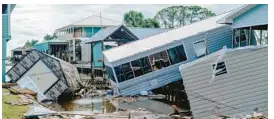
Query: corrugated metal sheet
{"points": [[240, 91], [258, 15], [148, 44]]}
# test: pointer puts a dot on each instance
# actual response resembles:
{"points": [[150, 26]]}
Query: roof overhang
{"points": [[117, 33], [229, 18]]}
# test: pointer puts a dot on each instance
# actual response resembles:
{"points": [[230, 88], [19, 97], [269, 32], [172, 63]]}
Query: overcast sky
{"points": [[34, 21]]}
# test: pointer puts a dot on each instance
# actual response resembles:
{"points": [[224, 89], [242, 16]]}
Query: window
{"points": [[241, 37], [124, 72], [177, 54], [261, 37], [137, 68], [220, 69], [141, 66], [159, 60], [200, 48], [4, 8], [110, 73], [149, 63], [146, 65]]}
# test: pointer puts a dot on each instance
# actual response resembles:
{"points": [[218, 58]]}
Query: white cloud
{"points": [[34, 21]]}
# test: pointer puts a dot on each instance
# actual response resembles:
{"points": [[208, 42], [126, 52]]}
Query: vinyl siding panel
{"points": [[216, 39], [258, 15], [241, 90]]}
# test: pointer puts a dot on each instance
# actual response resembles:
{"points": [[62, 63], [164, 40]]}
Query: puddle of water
{"points": [[93, 104]]}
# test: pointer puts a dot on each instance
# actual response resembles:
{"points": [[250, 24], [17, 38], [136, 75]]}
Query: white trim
{"points": [[205, 41], [228, 19]]}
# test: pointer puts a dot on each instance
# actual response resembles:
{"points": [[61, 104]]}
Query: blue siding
{"points": [[216, 39], [97, 54], [258, 15], [5, 38], [88, 31], [97, 48], [4, 55], [5, 25], [42, 46]]}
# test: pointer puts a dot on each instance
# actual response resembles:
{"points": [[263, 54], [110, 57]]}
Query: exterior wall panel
{"points": [[255, 16], [240, 91]]}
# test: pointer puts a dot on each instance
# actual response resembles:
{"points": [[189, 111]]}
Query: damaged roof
{"points": [[147, 44], [113, 33]]}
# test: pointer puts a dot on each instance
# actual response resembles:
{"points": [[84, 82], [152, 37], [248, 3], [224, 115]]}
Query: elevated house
{"points": [[232, 82], [47, 75], [6, 34], [77, 32], [153, 62]]}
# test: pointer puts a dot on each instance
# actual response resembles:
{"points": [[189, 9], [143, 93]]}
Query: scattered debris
{"points": [[8, 85], [18, 90]]}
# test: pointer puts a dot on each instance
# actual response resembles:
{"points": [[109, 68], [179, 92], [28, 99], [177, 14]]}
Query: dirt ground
{"points": [[12, 111]]}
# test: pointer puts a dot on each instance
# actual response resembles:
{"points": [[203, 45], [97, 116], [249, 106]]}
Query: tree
{"points": [[31, 43], [176, 16], [133, 18], [150, 23], [48, 37], [136, 19]]}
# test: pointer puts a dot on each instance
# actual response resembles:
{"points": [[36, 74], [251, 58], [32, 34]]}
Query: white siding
{"points": [[85, 51], [42, 76], [240, 91]]}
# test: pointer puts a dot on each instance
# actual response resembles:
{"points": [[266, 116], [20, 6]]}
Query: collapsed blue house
{"points": [[153, 62]]}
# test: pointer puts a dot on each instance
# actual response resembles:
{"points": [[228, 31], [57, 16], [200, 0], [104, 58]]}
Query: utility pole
{"points": [[103, 64]]}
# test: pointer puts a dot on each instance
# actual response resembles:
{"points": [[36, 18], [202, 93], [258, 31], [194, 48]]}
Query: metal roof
{"points": [[142, 33], [53, 41], [148, 44], [113, 33], [93, 20]]}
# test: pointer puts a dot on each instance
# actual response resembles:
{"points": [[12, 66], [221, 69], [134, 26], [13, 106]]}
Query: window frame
{"points": [[147, 61], [206, 45], [162, 65], [186, 56]]}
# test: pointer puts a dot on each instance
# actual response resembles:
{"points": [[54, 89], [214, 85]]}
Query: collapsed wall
{"points": [[45, 74]]}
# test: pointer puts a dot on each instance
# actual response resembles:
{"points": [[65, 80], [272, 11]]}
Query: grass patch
{"points": [[12, 111]]}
